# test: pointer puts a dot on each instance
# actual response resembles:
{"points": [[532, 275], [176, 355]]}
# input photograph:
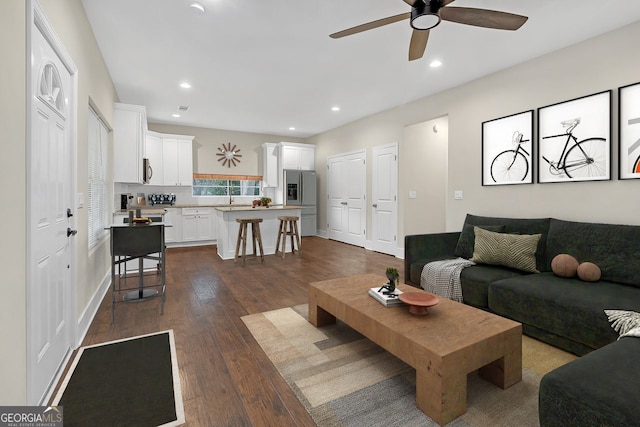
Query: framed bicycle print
{"points": [[574, 140], [629, 131], [507, 150]]}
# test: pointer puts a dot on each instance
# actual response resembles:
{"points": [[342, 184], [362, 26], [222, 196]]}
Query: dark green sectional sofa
{"points": [[564, 312]]}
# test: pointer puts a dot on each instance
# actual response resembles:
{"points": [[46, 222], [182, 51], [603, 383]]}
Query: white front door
{"points": [[347, 213], [49, 274], [384, 199]]}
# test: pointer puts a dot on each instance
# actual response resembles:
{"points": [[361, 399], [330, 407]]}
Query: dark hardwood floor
{"points": [[226, 378]]}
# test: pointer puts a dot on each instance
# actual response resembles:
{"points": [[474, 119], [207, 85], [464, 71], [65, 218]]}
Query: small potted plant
{"points": [[264, 201], [393, 275]]}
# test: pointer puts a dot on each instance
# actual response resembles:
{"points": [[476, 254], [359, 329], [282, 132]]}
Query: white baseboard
{"points": [[89, 313]]}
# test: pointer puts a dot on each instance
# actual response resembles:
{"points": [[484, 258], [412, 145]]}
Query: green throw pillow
{"points": [[464, 248], [510, 250]]}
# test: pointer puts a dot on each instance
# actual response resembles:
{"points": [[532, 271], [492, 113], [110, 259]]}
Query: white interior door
{"points": [[50, 271], [384, 199], [347, 214]]}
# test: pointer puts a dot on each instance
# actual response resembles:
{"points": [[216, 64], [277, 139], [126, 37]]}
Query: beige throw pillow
{"points": [[510, 250]]}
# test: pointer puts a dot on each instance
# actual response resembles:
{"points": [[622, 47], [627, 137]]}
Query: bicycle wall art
{"points": [[507, 150], [629, 131], [574, 140]]}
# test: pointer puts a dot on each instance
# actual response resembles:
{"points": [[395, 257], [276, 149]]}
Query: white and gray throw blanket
{"points": [[443, 278]]}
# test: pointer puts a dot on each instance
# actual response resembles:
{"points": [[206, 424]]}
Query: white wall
{"points": [[602, 63], [13, 356]]}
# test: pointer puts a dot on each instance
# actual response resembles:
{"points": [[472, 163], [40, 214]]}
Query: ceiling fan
{"points": [[426, 14]]}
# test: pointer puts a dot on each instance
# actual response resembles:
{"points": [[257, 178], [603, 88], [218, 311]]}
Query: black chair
{"points": [[130, 242]]}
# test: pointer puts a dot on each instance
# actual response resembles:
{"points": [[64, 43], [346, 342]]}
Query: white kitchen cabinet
{"points": [[178, 160], [197, 224], [129, 128], [297, 156], [173, 234], [269, 165], [153, 152]]}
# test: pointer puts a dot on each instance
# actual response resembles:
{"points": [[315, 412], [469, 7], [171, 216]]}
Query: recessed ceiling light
{"points": [[435, 64], [175, 115], [292, 128], [185, 85], [197, 7], [335, 108]]}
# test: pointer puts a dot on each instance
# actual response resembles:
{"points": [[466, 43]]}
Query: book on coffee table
{"points": [[385, 298]]}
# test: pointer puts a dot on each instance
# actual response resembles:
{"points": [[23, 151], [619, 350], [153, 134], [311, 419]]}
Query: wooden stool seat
{"points": [[256, 237], [290, 222]]}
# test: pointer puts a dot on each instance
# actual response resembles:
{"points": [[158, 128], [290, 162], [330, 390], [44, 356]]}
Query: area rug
{"points": [[343, 379], [132, 382]]}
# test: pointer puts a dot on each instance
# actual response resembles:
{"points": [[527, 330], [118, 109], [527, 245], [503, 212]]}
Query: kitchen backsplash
{"points": [[184, 195]]}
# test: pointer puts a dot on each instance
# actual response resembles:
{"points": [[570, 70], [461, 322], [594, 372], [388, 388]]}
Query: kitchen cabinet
{"points": [[153, 152], [197, 224], [177, 156], [269, 165], [129, 128], [297, 156], [173, 234]]}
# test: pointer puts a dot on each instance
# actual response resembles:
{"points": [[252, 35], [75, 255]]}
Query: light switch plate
{"points": [[79, 200], [413, 194], [457, 195]]}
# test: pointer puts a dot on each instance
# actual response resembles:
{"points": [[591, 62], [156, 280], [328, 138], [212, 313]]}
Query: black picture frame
{"points": [[629, 131], [507, 150], [574, 139]]}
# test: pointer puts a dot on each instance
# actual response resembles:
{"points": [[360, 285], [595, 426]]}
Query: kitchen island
{"points": [[228, 227]]}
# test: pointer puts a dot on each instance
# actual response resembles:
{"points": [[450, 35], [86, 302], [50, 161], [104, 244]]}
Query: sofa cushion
{"points": [[466, 242], [598, 389], [614, 248], [566, 307], [475, 282], [564, 265], [520, 226], [509, 250]]}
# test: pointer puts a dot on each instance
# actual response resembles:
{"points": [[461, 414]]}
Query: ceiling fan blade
{"points": [[370, 25], [483, 18], [419, 39], [446, 2], [412, 2]]}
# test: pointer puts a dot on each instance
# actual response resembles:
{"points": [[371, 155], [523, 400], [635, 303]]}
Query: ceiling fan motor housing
{"points": [[424, 14]]}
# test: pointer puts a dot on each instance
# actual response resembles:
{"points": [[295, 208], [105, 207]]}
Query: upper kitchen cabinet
{"points": [[269, 164], [297, 156], [129, 128], [177, 153], [153, 152]]}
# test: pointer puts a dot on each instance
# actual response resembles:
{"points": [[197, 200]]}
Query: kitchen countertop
{"points": [[227, 208]]}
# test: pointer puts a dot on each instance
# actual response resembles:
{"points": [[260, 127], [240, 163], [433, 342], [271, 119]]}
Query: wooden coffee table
{"points": [[451, 341]]}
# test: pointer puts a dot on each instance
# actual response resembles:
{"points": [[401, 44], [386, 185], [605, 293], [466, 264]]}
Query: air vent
{"points": [[183, 108]]}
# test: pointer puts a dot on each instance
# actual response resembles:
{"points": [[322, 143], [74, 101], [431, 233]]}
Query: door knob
{"points": [[375, 205], [71, 232], [343, 203], [69, 214]]}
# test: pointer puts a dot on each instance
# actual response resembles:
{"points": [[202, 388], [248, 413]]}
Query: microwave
{"points": [[147, 171]]}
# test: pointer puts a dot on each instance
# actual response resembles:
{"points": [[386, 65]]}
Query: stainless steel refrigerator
{"points": [[300, 190]]}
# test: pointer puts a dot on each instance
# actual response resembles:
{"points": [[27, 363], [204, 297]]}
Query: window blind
{"points": [[98, 190]]}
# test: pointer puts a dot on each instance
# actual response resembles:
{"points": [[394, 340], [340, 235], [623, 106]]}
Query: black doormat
{"points": [[130, 382]]}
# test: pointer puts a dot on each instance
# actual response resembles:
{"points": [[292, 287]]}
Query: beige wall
{"points": [[207, 141], [602, 63], [69, 22], [13, 367]]}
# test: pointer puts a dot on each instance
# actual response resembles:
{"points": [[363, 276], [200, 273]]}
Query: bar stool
{"points": [[292, 223], [255, 237]]}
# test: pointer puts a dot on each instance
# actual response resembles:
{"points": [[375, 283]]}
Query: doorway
{"points": [[51, 264], [346, 208]]}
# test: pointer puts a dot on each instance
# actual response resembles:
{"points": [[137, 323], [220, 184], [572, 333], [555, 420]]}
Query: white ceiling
{"points": [[265, 66]]}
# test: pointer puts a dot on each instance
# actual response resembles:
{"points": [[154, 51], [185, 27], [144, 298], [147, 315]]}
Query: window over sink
{"points": [[207, 185]]}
